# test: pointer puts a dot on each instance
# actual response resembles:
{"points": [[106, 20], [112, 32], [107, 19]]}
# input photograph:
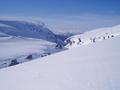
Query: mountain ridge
{"points": [[27, 29]]}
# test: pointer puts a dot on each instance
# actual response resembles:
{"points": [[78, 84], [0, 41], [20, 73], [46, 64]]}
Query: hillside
{"points": [[20, 40], [92, 36], [19, 49], [88, 67], [29, 29]]}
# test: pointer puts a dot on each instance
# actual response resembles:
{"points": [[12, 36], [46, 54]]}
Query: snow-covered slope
{"points": [[19, 39], [92, 36], [27, 29], [20, 48], [88, 67], [14, 46]]}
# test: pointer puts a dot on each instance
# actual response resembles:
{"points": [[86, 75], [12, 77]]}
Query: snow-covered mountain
{"points": [[17, 47], [92, 36], [20, 40], [28, 29], [87, 67]]}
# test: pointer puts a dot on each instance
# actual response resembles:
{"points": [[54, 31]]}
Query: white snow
{"points": [[88, 67], [98, 35], [19, 38], [19, 48], [26, 29]]}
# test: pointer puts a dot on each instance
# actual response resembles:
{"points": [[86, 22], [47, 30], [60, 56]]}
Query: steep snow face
{"points": [[92, 36], [27, 29], [90, 67]]}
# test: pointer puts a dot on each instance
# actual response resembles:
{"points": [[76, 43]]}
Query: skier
{"points": [[94, 40], [79, 41], [69, 41], [104, 38], [112, 35]]}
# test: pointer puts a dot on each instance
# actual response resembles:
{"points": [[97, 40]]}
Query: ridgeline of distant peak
{"points": [[28, 29]]}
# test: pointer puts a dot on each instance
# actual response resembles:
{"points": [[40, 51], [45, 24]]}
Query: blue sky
{"points": [[51, 7], [55, 12]]}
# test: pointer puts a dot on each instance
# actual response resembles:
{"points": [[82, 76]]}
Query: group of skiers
{"points": [[93, 40], [70, 42]]}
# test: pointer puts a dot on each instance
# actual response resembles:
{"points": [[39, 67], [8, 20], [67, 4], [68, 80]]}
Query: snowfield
{"points": [[92, 65], [20, 48], [21, 41], [15, 46], [88, 67], [92, 36]]}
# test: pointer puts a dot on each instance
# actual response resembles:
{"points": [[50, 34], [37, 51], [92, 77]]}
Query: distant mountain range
{"points": [[29, 29], [21, 39]]}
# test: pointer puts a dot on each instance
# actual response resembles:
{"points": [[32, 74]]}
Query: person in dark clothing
{"points": [[69, 41], [79, 40], [103, 38], [93, 40]]}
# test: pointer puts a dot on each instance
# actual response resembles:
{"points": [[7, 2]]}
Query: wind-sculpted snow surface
{"points": [[88, 67], [92, 36]]}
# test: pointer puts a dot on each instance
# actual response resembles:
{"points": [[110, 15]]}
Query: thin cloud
{"points": [[73, 23], [81, 23]]}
